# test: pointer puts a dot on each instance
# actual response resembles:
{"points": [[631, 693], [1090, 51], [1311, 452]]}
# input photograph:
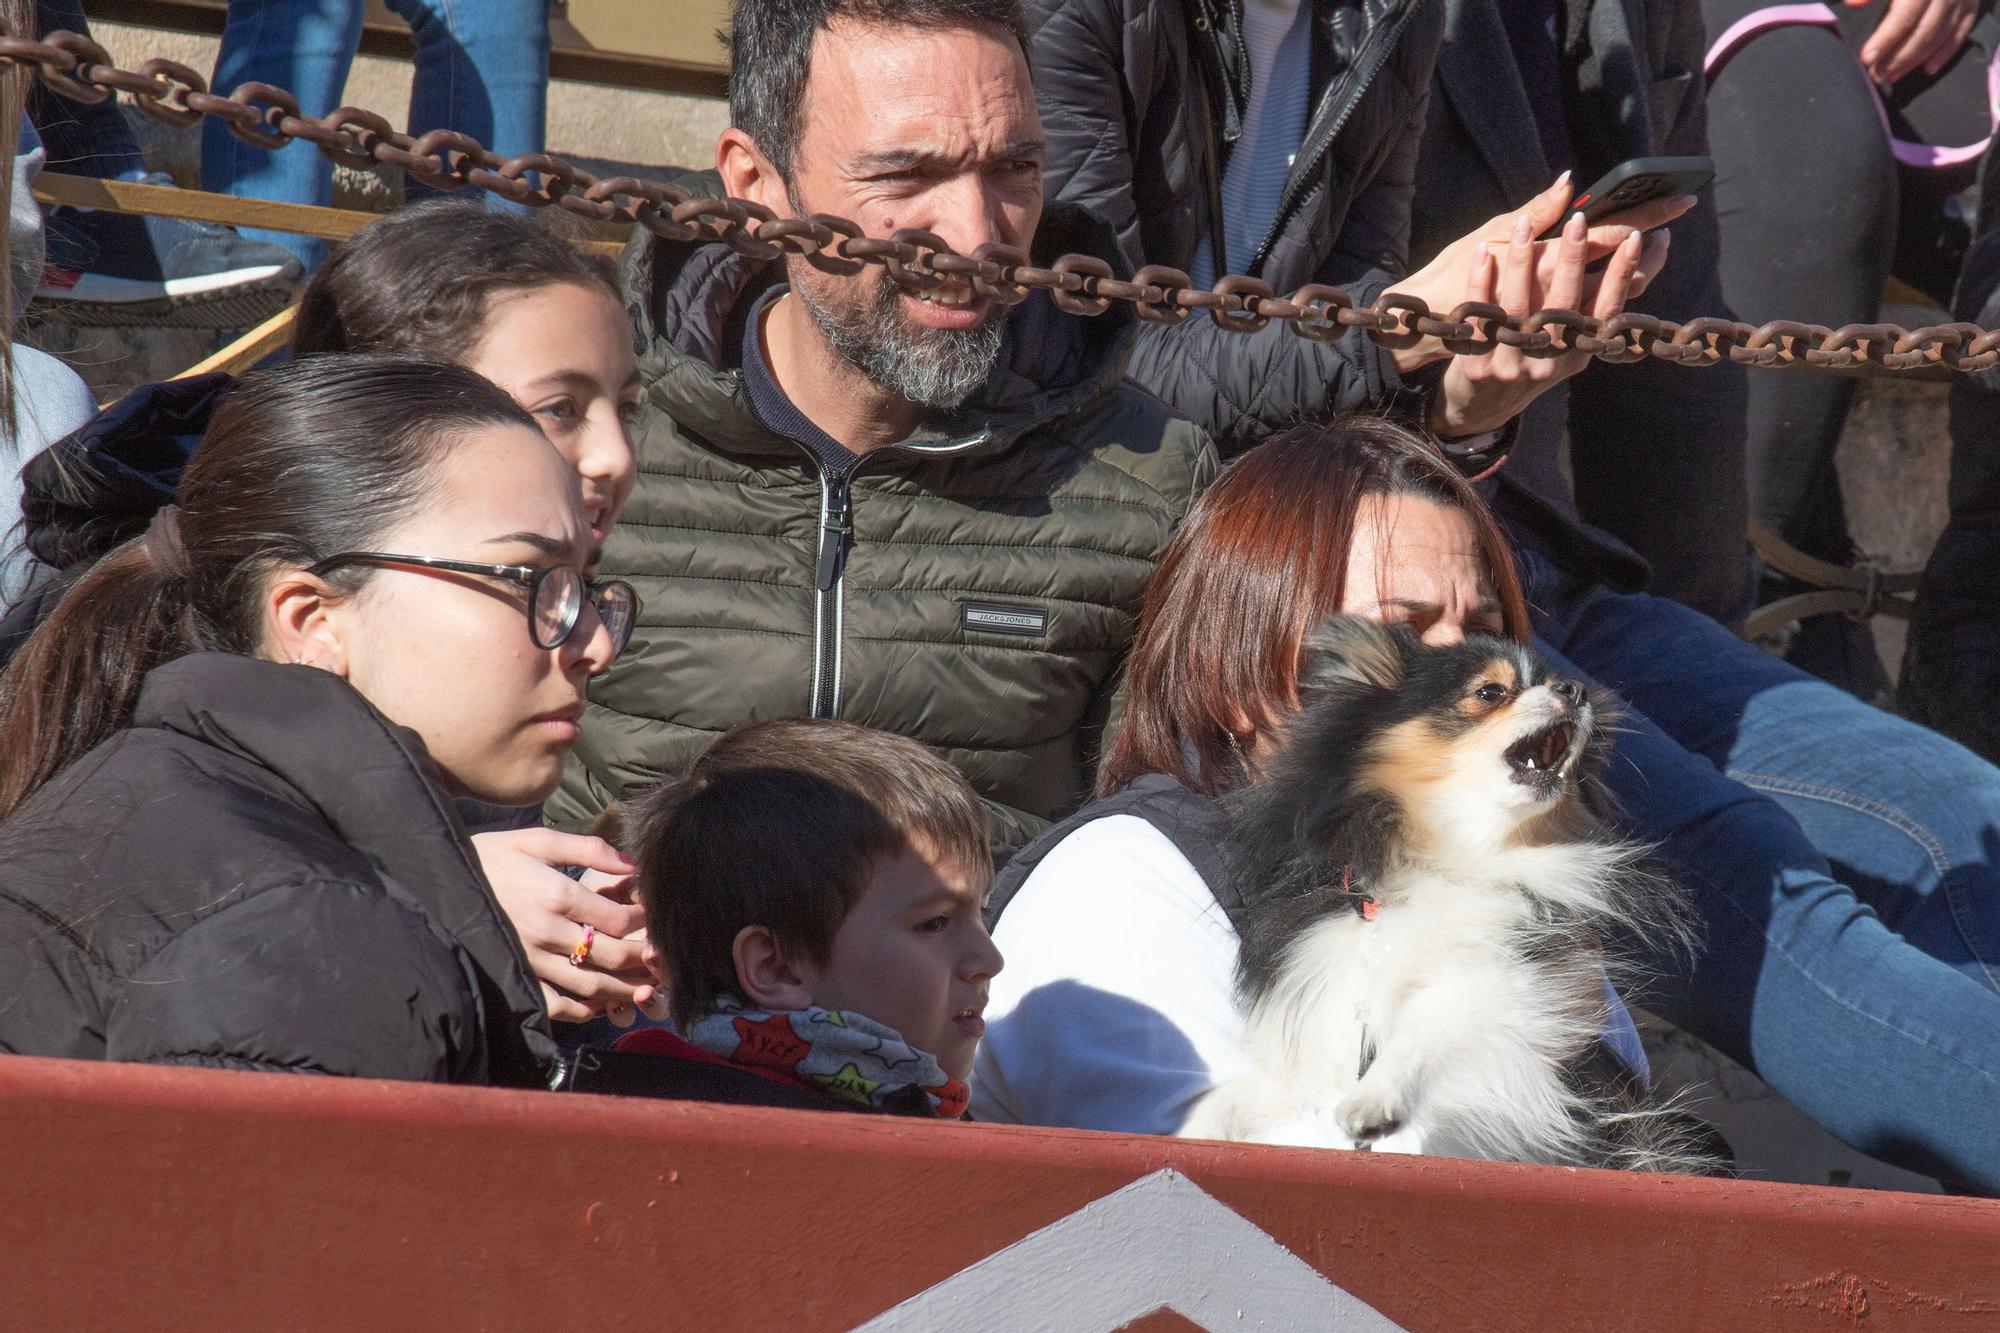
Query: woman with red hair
{"points": [[1118, 1010]]}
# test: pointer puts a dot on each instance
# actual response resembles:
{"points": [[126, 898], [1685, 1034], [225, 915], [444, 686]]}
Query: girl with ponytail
{"points": [[228, 759], [443, 281]]}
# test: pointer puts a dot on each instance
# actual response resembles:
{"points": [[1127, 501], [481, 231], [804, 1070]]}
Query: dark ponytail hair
{"points": [[305, 460], [419, 282]]}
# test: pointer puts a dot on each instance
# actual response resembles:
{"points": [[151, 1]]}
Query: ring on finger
{"points": [[581, 953]]}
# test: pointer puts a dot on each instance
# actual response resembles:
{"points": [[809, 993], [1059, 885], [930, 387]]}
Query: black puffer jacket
{"points": [[260, 873], [1142, 101], [974, 587]]}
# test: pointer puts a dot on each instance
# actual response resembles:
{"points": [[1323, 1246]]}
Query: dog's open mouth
{"points": [[1544, 750]]}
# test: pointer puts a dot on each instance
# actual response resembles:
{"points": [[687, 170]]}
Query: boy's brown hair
{"points": [[779, 824]]}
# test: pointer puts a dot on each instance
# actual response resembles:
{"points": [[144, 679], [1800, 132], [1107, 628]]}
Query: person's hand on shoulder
{"points": [[552, 913], [1502, 263]]}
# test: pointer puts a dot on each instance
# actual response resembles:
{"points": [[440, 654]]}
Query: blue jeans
{"points": [[1845, 862], [482, 68]]}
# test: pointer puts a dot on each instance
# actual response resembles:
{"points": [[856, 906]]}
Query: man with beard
{"points": [[934, 515]]}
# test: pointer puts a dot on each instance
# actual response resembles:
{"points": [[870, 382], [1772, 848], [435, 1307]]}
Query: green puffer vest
{"points": [[974, 588]]}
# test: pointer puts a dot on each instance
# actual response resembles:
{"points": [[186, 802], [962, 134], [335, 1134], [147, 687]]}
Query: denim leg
{"points": [[1889, 1045], [1889, 1049], [81, 140], [482, 68], [1909, 820], [306, 46]]}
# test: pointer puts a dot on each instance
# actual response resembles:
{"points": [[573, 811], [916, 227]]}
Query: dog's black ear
{"points": [[1346, 651]]}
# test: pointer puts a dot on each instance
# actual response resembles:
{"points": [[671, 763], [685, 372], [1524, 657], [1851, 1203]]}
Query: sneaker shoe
{"points": [[118, 269]]}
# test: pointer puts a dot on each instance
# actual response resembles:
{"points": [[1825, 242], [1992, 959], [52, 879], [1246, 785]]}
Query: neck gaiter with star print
{"points": [[849, 1057]]}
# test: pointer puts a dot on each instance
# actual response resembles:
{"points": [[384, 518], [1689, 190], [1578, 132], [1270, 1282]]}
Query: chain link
{"points": [[269, 117]]}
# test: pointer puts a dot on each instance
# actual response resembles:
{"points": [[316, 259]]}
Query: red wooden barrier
{"points": [[140, 1198]]}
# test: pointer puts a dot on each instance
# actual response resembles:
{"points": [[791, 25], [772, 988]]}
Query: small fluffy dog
{"points": [[1424, 969]]}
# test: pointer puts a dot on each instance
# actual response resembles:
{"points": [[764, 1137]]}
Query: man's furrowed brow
{"points": [[912, 161], [894, 160]]}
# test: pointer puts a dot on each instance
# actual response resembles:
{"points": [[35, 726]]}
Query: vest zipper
{"points": [[836, 527], [1319, 136], [836, 535]]}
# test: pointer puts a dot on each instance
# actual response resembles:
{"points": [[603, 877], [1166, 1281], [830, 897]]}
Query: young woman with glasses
{"points": [[227, 759], [542, 319]]}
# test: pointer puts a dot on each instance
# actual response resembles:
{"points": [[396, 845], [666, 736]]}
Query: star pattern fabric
{"points": [[848, 1056], [768, 1043], [849, 1085]]}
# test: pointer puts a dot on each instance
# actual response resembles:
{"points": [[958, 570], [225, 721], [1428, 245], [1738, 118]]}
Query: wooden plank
{"points": [[333, 224], [593, 50], [685, 32], [249, 349], [164, 201], [223, 1200]]}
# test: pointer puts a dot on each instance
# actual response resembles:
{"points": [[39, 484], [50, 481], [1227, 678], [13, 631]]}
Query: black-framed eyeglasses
{"points": [[555, 593]]}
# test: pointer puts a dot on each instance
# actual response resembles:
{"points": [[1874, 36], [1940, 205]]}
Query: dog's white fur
{"points": [[1473, 987]]}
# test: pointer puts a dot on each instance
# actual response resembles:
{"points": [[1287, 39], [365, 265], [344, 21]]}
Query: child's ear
{"points": [[768, 979]]}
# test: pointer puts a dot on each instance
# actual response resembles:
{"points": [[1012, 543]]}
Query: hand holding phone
{"points": [[1638, 180]]}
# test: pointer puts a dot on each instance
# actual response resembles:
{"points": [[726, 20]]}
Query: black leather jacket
{"points": [[1142, 101]]}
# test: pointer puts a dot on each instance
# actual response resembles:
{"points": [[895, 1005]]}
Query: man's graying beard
{"points": [[936, 368]]}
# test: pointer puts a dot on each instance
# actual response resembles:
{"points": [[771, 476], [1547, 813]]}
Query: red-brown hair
{"points": [[1261, 559]]}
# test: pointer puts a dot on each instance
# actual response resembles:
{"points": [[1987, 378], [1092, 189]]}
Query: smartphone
{"points": [[1639, 180]]}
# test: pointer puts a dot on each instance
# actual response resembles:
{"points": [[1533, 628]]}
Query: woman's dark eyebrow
{"points": [[569, 379], [555, 546]]}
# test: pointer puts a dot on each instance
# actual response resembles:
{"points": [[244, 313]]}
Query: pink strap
{"points": [[1763, 20], [1819, 16]]}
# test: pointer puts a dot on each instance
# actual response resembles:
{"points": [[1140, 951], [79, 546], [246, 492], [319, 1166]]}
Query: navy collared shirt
{"points": [[771, 405]]}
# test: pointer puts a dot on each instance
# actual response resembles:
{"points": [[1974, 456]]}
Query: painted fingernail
{"points": [[1480, 256], [1573, 229], [1563, 180], [1522, 230]]}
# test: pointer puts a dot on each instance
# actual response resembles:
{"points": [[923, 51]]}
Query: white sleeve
{"points": [[1116, 1008]]}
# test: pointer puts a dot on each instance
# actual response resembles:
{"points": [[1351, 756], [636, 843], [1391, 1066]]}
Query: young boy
{"points": [[813, 890]]}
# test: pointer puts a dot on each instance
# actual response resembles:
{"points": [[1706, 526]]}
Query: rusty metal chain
{"points": [[268, 117]]}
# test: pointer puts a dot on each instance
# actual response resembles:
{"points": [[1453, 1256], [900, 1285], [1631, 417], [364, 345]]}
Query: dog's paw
{"points": [[1368, 1113]]}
